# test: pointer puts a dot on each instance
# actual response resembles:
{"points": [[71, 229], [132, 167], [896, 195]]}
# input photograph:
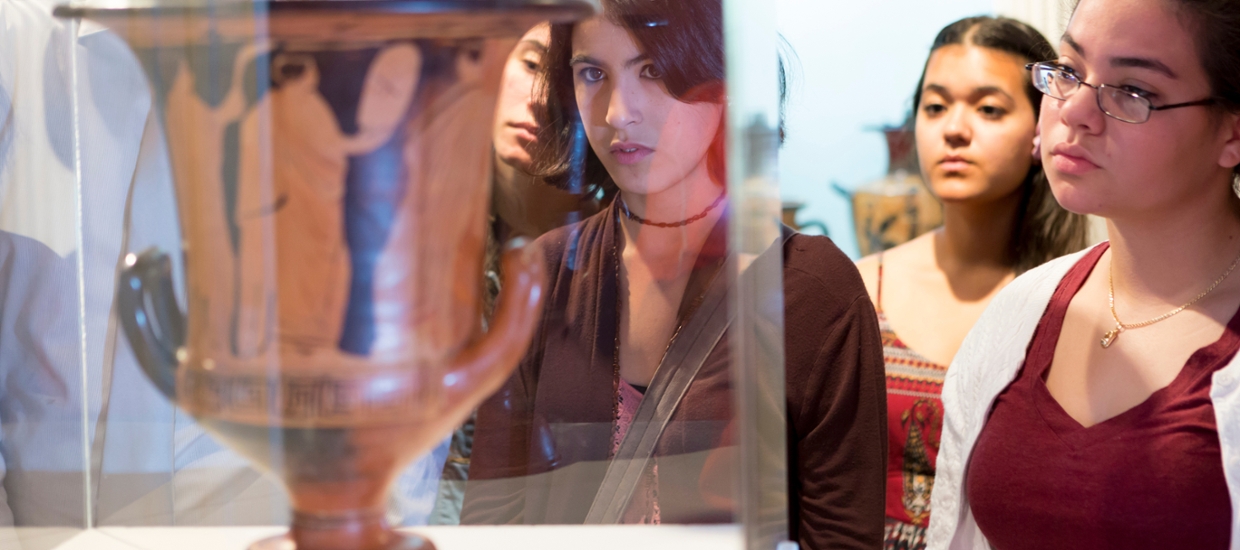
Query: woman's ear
{"points": [[717, 154], [1037, 143], [1230, 156]]}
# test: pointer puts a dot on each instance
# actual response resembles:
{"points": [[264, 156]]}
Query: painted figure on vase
{"points": [[897, 208]]}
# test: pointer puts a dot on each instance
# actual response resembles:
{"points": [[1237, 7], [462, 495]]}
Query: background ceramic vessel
{"points": [[331, 162], [898, 207]]}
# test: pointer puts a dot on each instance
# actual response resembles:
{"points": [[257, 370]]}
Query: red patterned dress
{"points": [[914, 422]]}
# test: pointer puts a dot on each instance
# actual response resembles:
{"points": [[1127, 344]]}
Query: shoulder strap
{"points": [[879, 291], [680, 365]]}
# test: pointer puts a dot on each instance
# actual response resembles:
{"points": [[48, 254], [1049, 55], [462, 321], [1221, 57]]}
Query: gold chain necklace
{"points": [[1113, 334]]}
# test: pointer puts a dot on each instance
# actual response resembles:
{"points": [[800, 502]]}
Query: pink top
{"points": [[644, 507]]}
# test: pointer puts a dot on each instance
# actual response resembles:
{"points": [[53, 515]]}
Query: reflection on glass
{"points": [[622, 409], [331, 163], [522, 205], [42, 481]]}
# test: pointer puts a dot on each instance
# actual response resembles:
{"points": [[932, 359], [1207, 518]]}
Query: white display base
{"points": [[554, 537]]}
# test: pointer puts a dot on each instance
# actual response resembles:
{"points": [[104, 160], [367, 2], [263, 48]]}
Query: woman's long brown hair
{"points": [[1043, 230]]}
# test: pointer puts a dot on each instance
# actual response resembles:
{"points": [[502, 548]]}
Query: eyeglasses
{"points": [[1118, 103]]}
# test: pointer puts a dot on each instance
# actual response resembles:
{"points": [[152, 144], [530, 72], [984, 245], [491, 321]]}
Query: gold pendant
{"points": [[1110, 337]]}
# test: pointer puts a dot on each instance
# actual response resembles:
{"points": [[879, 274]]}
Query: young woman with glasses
{"points": [[635, 102], [975, 120], [1096, 404]]}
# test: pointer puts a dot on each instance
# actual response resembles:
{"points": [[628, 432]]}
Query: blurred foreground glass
{"points": [[654, 391], [331, 161]]}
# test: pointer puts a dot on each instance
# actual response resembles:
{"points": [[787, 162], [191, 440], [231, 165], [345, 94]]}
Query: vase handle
{"points": [[155, 333], [481, 369]]}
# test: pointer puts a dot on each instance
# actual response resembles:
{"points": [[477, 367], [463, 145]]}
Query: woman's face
{"points": [[648, 140], [1100, 165], [515, 128], [975, 124]]}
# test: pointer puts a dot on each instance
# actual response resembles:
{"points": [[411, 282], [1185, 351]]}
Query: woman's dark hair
{"points": [[1215, 26], [684, 39], [1043, 230]]}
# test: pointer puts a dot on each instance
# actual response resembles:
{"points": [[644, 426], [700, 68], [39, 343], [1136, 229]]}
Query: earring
{"points": [[1235, 184]]}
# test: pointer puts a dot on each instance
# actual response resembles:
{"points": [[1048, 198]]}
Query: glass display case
{"points": [[366, 266]]}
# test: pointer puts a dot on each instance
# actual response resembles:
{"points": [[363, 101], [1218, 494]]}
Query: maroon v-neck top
{"points": [[1151, 477]]}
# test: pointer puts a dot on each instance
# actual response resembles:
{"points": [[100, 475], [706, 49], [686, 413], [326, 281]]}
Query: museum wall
{"points": [[865, 57]]}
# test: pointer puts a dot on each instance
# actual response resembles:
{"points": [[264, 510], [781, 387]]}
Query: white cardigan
{"points": [[989, 360]]}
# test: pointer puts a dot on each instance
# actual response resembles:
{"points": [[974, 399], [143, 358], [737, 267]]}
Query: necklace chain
{"points": [[624, 206], [1120, 326]]}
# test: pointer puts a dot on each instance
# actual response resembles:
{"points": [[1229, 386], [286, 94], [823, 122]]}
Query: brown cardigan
{"points": [[542, 442]]}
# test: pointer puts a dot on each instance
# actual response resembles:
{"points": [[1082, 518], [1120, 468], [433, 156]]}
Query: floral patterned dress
{"points": [[914, 422]]}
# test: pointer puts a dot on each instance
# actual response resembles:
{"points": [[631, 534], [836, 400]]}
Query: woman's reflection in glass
{"points": [[522, 205], [634, 104]]}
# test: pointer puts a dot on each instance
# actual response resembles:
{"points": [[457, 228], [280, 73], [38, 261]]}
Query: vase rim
{"points": [[332, 20], [243, 7]]}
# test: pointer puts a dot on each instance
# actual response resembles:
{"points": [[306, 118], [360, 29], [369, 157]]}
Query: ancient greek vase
{"points": [[331, 161], [898, 207]]}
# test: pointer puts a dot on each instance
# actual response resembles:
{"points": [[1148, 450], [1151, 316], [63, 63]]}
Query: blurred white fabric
{"points": [[37, 143], [63, 356]]}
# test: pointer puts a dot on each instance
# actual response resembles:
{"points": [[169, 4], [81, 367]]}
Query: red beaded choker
{"points": [[630, 215]]}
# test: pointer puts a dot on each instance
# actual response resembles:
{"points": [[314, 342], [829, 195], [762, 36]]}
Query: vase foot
{"points": [[399, 541]]}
